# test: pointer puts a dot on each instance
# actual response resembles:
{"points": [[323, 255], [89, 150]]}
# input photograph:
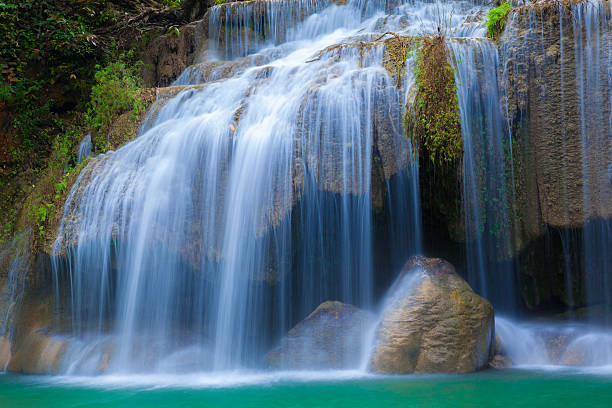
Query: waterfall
{"points": [[84, 149], [591, 24], [558, 57], [487, 171], [14, 265], [278, 177], [253, 195]]}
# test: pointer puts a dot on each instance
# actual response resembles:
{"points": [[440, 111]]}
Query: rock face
{"points": [[39, 354], [433, 323], [5, 351], [330, 337], [563, 159], [169, 54], [555, 57]]}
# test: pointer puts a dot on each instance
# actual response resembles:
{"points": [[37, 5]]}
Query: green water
{"points": [[510, 388]]}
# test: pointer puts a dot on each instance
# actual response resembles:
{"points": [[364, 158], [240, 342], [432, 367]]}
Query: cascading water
{"points": [[591, 24], [85, 149], [565, 51], [255, 193], [487, 172], [248, 199], [577, 39], [15, 262]]}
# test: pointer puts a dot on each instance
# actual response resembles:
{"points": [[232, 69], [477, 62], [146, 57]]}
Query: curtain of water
{"points": [[14, 266], [591, 27], [248, 199], [487, 172]]}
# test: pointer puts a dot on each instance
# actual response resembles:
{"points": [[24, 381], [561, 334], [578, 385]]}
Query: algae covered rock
{"points": [[433, 323], [330, 337]]}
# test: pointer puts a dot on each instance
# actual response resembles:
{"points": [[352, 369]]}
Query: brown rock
{"points": [[499, 362], [168, 55], [39, 354], [433, 322], [5, 352]]}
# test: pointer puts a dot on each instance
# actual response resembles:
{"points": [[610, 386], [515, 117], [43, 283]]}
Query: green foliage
{"points": [[432, 122], [497, 19], [218, 2], [48, 55], [63, 155], [171, 3], [41, 214], [46, 195], [174, 29], [47, 50], [115, 92]]}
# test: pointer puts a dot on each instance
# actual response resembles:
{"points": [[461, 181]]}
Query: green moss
{"points": [[432, 121], [397, 50], [497, 19], [171, 3]]}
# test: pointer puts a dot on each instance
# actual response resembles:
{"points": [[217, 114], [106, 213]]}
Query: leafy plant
{"points": [[497, 19], [115, 92], [174, 30], [171, 3], [41, 214]]}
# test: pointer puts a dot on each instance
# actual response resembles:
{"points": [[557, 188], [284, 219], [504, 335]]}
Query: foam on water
{"points": [[219, 379], [554, 345]]}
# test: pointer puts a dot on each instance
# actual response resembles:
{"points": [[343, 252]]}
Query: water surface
{"points": [[508, 388]]}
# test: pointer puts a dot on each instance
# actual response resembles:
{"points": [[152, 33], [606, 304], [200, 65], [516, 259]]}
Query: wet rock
{"points": [[499, 362], [542, 57], [39, 354], [168, 55], [500, 359], [5, 352], [433, 322], [561, 160], [330, 337]]}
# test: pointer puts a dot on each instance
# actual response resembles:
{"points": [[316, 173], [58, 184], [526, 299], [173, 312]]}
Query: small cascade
{"points": [[237, 29], [85, 149], [487, 172], [14, 266], [554, 344], [592, 25]]}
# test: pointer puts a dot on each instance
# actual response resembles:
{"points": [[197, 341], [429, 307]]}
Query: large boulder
{"points": [[433, 323], [330, 337]]}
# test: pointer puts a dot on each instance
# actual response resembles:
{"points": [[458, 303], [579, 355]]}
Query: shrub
{"points": [[497, 19], [115, 92], [171, 3]]}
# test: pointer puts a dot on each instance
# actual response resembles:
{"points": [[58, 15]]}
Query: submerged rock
{"points": [[330, 337], [500, 359], [433, 322]]}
